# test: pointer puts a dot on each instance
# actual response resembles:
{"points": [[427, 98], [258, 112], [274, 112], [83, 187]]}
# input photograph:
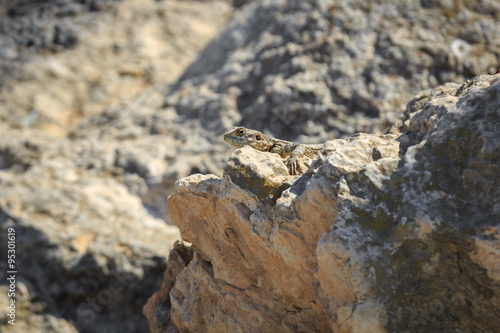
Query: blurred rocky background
{"points": [[104, 104], [85, 195]]}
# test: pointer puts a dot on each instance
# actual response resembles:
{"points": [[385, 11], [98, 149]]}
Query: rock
{"points": [[235, 222], [147, 149], [318, 70], [91, 204], [389, 233], [85, 245], [65, 61], [88, 200], [157, 310], [256, 172]]}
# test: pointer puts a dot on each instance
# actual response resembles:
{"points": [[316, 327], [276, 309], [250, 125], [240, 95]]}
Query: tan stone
{"points": [[369, 239]]}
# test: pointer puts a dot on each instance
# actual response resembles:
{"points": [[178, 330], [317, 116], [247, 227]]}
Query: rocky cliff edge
{"points": [[389, 233]]}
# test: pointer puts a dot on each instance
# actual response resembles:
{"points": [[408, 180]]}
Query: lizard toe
{"points": [[293, 166]]}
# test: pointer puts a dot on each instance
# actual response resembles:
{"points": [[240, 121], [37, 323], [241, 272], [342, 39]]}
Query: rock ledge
{"points": [[390, 233]]}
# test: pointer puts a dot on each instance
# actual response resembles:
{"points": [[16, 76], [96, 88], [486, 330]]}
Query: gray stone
{"points": [[388, 233], [317, 70]]}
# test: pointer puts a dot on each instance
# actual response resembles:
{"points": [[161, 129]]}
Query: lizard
{"points": [[241, 136]]}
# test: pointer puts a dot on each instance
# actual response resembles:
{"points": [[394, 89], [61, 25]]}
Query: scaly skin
{"points": [[241, 136]]}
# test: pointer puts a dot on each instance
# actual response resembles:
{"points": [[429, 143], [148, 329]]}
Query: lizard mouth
{"points": [[240, 142]]}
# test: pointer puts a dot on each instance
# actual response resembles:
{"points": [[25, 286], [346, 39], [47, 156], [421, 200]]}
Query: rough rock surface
{"points": [[63, 61], [390, 233], [86, 245], [248, 76], [89, 209], [317, 70], [306, 70], [158, 307]]}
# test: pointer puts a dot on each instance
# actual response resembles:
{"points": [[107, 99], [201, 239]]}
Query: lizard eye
{"points": [[241, 131], [258, 137]]}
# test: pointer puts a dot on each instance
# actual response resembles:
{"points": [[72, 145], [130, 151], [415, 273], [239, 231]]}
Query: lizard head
{"points": [[241, 136]]}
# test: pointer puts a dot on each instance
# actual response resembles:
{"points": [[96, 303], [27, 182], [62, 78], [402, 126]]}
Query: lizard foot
{"points": [[293, 166]]}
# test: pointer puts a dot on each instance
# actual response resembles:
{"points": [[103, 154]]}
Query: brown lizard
{"points": [[241, 136]]}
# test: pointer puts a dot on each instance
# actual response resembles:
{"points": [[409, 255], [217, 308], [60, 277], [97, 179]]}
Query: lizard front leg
{"points": [[293, 161]]}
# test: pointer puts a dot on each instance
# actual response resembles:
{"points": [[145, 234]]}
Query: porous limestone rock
{"points": [[64, 61], [303, 70], [233, 229], [323, 69], [389, 233], [87, 195], [85, 245], [254, 171], [157, 310]]}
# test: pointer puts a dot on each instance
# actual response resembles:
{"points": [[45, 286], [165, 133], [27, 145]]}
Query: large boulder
{"points": [[389, 233]]}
